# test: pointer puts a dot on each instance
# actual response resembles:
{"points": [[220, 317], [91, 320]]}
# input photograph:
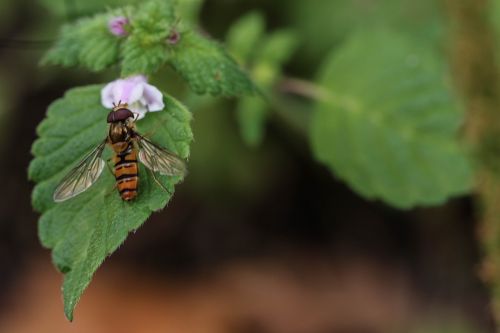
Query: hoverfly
{"points": [[128, 147]]}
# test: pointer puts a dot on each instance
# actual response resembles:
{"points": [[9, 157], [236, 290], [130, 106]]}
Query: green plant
{"points": [[380, 112]]}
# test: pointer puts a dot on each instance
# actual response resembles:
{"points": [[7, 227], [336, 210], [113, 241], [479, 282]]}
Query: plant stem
{"points": [[476, 75], [303, 88]]}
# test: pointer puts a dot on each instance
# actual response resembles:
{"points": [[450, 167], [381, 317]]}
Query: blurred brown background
{"points": [[255, 241]]}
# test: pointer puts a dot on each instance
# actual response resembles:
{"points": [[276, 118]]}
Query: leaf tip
{"points": [[69, 307]]}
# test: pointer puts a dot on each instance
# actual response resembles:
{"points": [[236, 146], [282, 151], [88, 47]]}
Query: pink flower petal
{"points": [[127, 91], [138, 79], [138, 109], [134, 91], [117, 26], [107, 98], [153, 98]]}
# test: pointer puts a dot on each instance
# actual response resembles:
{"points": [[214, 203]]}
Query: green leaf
{"points": [[90, 44], [278, 47], [142, 59], [207, 68], [189, 11], [389, 126], [244, 36], [86, 229], [264, 56], [202, 62], [252, 113], [145, 50], [273, 53], [324, 24], [86, 43]]}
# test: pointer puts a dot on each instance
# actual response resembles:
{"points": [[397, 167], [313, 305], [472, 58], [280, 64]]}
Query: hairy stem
{"points": [[476, 74], [303, 88]]}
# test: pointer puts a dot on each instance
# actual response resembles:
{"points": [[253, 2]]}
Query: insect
{"points": [[128, 147]]}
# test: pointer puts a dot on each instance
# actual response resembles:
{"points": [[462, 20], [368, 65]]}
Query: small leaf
{"points": [[86, 229], [389, 128], [244, 37], [207, 68], [142, 59], [252, 115], [272, 54], [278, 47], [264, 56], [189, 10], [86, 43], [145, 50]]}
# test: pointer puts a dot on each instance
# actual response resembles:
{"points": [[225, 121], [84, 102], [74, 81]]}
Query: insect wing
{"points": [[82, 176], [159, 159]]}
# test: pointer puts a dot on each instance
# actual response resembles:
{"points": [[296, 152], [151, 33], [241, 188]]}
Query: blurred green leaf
{"points": [[84, 230], [278, 47], [244, 37], [252, 114], [207, 67], [274, 51], [323, 24], [389, 126], [189, 11], [221, 163], [264, 56]]}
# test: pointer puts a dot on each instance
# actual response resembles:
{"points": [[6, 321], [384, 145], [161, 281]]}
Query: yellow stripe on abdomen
{"points": [[127, 174]]}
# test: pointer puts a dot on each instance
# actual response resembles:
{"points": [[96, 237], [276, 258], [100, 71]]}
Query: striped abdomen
{"points": [[126, 169]]}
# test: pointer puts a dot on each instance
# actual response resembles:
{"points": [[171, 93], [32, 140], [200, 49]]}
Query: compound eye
{"points": [[111, 117]]}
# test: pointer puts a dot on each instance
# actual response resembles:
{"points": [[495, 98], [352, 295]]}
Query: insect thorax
{"points": [[119, 132]]}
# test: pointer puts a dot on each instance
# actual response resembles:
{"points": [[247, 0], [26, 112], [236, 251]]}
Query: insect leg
{"points": [[158, 182]]}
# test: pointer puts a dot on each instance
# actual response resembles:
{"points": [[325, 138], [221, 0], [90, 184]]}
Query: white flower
{"points": [[135, 93]]}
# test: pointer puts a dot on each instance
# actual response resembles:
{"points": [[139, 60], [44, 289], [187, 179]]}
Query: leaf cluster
{"points": [[264, 55], [156, 36]]}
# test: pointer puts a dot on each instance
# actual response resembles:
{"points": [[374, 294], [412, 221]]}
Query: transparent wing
{"points": [[82, 176], [159, 159]]}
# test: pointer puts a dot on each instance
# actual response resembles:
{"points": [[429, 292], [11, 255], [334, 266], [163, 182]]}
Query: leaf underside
{"points": [[84, 230], [390, 123]]}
